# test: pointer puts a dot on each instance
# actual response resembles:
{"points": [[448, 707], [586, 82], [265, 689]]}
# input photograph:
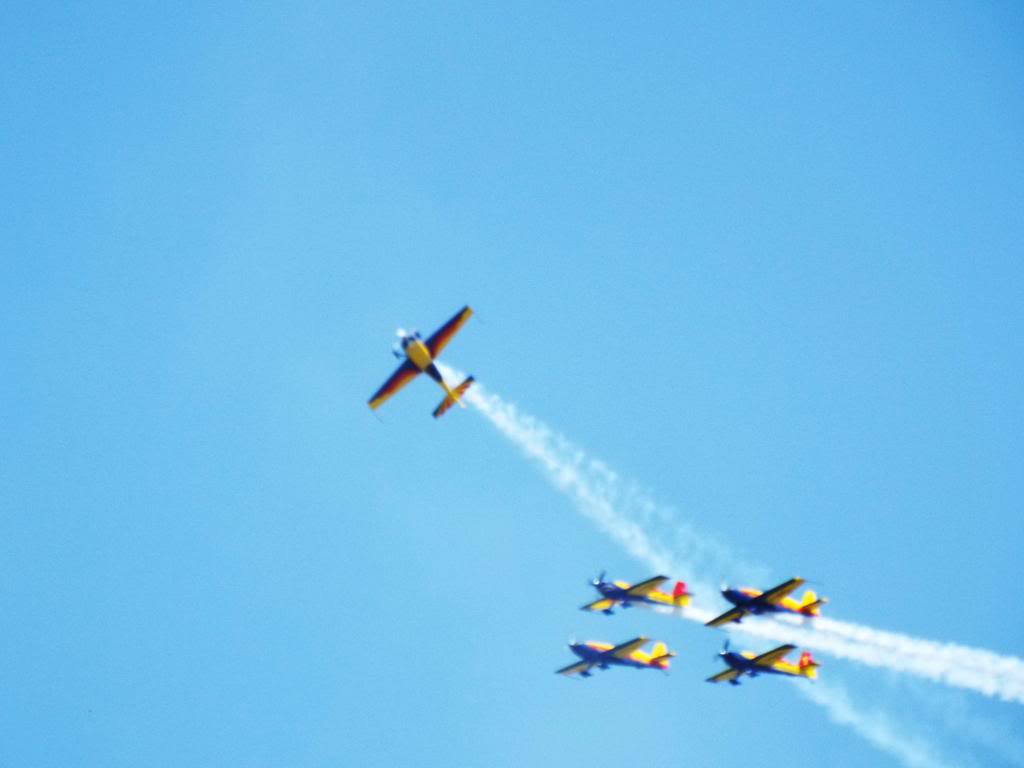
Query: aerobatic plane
{"points": [[769, 663], [418, 356], [775, 600], [627, 654], [623, 594]]}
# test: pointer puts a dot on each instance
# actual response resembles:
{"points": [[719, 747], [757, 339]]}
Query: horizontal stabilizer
{"points": [[662, 661], [813, 609], [453, 398]]}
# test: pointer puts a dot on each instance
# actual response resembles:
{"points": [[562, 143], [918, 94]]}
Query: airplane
{"points": [[771, 662], [621, 593], [627, 654], [419, 357], [775, 600]]}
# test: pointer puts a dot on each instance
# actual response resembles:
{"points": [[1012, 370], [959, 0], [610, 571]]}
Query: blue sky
{"points": [[763, 260]]}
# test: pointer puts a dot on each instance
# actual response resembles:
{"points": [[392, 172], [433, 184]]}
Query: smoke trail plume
{"points": [[636, 522], [874, 727]]}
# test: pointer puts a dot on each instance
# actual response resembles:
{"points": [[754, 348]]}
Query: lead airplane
{"points": [[770, 663], [627, 654], [419, 357], [774, 600], [624, 594]]}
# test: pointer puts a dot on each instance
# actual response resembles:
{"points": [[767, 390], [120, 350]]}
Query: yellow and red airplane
{"points": [[774, 600], [419, 357], [624, 594], [627, 654], [770, 662]]}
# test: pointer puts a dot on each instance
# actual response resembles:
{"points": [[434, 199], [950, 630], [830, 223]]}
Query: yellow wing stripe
{"points": [[644, 587], [776, 595], [598, 605], [769, 658], [444, 334], [572, 669], [725, 676], [624, 650], [733, 614], [406, 372]]}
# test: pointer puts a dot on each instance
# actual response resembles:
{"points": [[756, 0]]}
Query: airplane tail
{"points": [[680, 596], [811, 604], [808, 666], [660, 656], [453, 397]]}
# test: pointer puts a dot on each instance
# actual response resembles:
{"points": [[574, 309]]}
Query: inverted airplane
{"points": [[774, 600], [419, 357], [621, 593], [627, 654], [769, 663]]}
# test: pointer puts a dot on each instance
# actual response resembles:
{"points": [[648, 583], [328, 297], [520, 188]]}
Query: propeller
{"points": [[725, 650], [599, 579], [401, 333]]}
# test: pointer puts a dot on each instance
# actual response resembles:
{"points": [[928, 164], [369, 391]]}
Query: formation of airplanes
{"points": [[601, 655], [419, 355]]}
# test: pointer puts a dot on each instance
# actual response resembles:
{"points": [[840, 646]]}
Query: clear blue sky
{"points": [[764, 259]]}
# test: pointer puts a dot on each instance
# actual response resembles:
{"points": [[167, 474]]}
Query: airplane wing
{"points": [[406, 372], [770, 657], [641, 589], [622, 651], [733, 614], [572, 669], [725, 676], [598, 605], [444, 334], [776, 594]]}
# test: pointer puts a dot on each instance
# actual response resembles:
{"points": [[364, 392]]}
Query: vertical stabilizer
{"points": [[808, 666], [660, 656], [680, 596]]}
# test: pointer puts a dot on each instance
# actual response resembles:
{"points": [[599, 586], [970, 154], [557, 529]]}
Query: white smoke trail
{"points": [[627, 515], [951, 708], [875, 727], [599, 495]]}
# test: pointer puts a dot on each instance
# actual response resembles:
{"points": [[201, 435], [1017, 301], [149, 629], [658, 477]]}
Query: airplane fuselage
{"points": [[595, 654], [417, 353], [619, 593], [750, 602], [615, 592], [745, 666], [746, 663], [737, 661]]}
